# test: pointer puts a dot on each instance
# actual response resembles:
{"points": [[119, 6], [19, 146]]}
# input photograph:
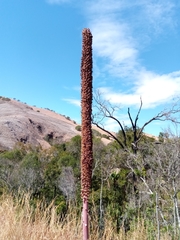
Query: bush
{"points": [[78, 128], [105, 136], [15, 154], [96, 133], [5, 98]]}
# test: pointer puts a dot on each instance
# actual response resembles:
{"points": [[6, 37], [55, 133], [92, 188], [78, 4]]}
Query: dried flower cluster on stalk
{"points": [[86, 106]]}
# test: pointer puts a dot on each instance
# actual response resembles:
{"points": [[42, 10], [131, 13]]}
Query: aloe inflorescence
{"points": [[86, 105], [86, 131]]}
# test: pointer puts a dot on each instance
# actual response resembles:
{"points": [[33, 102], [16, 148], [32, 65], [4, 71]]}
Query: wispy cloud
{"points": [[118, 41], [152, 88], [112, 41], [73, 101], [159, 14], [156, 89], [121, 31], [57, 1]]}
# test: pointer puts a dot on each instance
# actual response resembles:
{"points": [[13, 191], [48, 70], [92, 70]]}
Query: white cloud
{"points": [[113, 41], [73, 101], [156, 89], [152, 88], [119, 29], [159, 14], [57, 1], [115, 97], [99, 7]]}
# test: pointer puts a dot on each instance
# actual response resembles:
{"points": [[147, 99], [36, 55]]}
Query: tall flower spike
{"points": [[86, 111]]}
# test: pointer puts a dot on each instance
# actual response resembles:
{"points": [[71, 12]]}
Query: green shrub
{"points": [[96, 133], [5, 98], [15, 154], [78, 128], [105, 136]]}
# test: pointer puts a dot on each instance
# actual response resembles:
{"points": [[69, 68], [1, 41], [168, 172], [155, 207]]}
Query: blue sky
{"points": [[136, 53]]}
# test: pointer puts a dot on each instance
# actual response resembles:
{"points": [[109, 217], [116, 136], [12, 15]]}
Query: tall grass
{"points": [[20, 220]]}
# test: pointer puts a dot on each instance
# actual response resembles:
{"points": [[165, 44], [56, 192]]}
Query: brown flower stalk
{"points": [[86, 111]]}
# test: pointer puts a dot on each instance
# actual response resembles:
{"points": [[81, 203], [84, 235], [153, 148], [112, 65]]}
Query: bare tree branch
{"points": [[112, 135], [106, 110]]}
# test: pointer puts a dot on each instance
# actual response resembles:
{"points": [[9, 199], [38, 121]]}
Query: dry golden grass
{"points": [[19, 221]]}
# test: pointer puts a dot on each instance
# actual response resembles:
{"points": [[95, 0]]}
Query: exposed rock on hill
{"points": [[22, 123]]}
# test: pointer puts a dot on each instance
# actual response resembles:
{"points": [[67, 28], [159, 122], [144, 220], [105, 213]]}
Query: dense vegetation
{"points": [[127, 188]]}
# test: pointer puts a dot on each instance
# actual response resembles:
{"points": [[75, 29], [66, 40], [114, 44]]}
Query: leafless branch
{"points": [[111, 134], [106, 110]]}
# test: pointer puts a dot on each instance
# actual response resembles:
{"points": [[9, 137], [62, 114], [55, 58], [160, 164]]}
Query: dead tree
{"points": [[106, 110]]}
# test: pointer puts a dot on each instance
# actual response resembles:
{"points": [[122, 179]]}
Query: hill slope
{"points": [[22, 123]]}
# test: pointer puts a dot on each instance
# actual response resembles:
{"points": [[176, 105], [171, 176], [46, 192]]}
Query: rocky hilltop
{"points": [[31, 125]]}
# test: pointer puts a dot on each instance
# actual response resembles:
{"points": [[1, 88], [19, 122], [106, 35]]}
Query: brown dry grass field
{"points": [[19, 221]]}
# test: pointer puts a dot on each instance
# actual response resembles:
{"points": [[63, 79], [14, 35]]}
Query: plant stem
{"points": [[86, 135], [85, 219]]}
